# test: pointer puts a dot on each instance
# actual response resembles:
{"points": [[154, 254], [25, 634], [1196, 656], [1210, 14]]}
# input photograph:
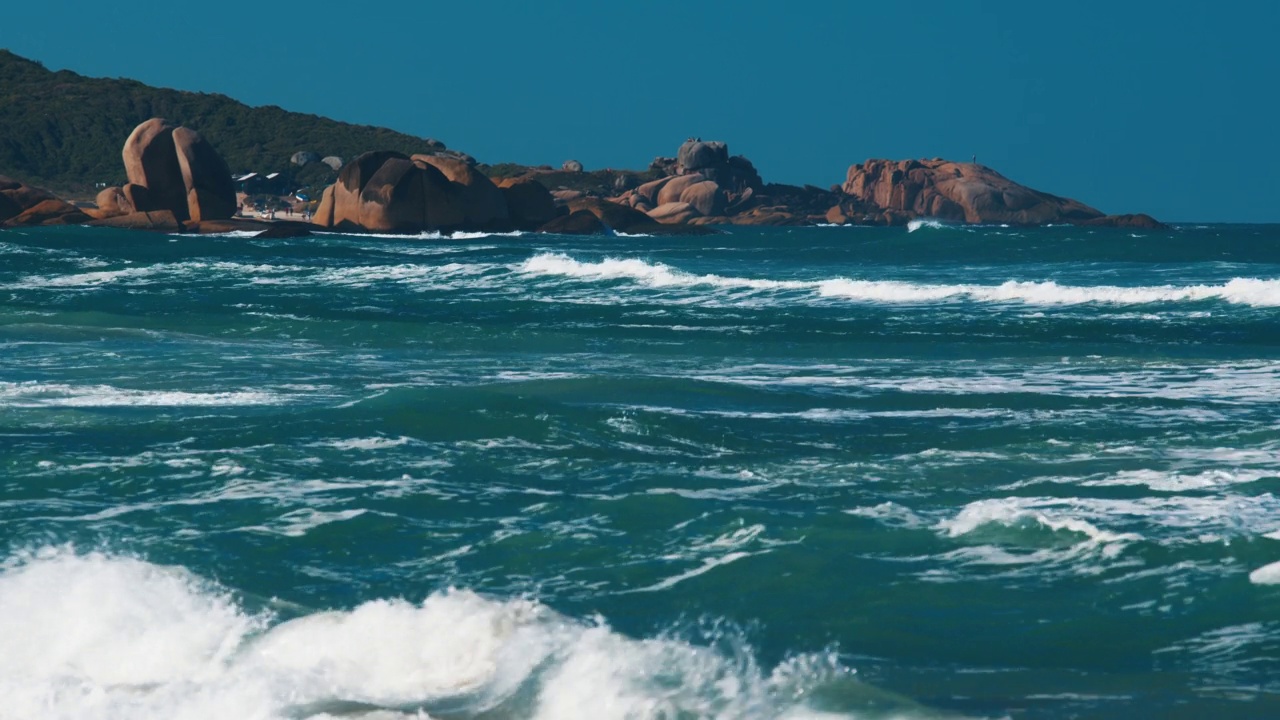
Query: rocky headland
{"points": [[178, 182]]}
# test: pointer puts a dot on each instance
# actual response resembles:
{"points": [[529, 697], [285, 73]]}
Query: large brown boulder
{"points": [[484, 206], [151, 161], [389, 192], [614, 216], [695, 155], [649, 191], [529, 203], [674, 188], [674, 213], [706, 197], [210, 193], [112, 201], [960, 192], [174, 168], [393, 200], [351, 182]]}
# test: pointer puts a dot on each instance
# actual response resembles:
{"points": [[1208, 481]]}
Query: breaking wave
{"points": [[915, 225], [98, 635], [1255, 292]]}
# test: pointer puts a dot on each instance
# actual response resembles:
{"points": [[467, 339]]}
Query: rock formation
{"points": [[210, 193], [175, 169], [572, 166], [529, 203], [389, 192], [112, 201], [483, 204], [889, 192], [303, 158], [702, 184], [21, 204]]}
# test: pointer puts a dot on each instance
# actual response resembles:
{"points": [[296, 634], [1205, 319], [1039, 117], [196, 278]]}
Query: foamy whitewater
{"points": [[811, 473]]}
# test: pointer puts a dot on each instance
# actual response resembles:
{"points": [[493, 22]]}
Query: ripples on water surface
{"points": [[826, 472]]}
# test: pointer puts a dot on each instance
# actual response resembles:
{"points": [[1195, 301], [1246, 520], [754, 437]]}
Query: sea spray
{"points": [[107, 635]]}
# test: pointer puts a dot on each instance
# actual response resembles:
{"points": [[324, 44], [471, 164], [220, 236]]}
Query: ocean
{"points": [[795, 473]]}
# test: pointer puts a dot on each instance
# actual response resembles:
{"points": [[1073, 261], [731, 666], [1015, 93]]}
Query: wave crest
{"points": [[1255, 292], [97, 635]]}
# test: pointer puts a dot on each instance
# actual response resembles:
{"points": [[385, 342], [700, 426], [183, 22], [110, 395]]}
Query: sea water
{"points": [[823, 472]]}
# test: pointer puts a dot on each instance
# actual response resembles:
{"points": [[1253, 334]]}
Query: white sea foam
{"points": [[1108, 525], [302, 521], [915, 225], [1179, 482], [51, 395], [1266, 575], [147, 275], [100, 636], [1255, 292], [428, 235], [369, 443], [1010, 512], [1230, 383]]}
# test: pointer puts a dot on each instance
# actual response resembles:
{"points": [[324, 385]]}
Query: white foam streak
{"points": [[54, 395], [1244, 291]]}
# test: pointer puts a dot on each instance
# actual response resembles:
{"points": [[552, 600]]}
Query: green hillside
{"points": [[64, 131]]}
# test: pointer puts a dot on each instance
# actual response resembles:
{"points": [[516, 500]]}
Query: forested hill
{"points": [[64, 131]]}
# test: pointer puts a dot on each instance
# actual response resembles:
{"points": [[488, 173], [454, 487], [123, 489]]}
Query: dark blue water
{"points": [[775, 473]]}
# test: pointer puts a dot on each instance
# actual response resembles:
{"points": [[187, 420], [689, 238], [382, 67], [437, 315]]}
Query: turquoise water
{"points": [[776, 473]]}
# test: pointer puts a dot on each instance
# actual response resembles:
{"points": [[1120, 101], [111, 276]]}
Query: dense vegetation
{"points": [[64, 131]]}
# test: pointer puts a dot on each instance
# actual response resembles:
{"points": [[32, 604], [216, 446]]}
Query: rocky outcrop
{"points": [[572, 166], [50, 212], [390, 192], [23, 205], [957, 192], [703, 183], [175, 169], [711, 160]]}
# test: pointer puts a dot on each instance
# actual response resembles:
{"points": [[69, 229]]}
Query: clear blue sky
{"points": [[1167, 107]]}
